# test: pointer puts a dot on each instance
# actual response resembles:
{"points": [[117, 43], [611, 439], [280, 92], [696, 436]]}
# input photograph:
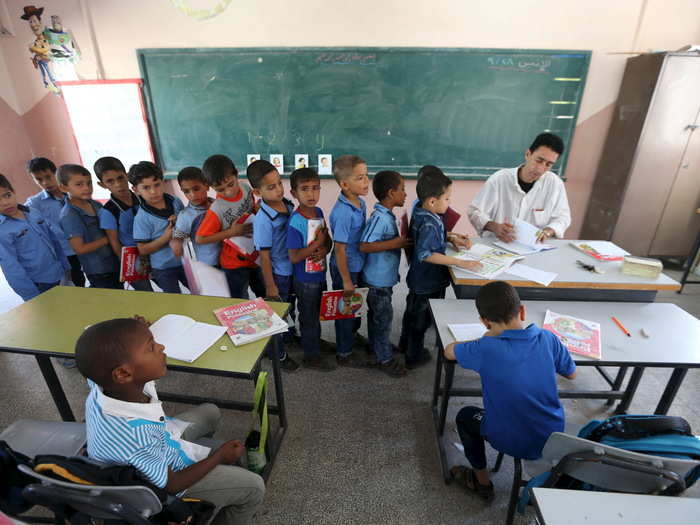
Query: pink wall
{"points": [[16, 150], [50, 132]]}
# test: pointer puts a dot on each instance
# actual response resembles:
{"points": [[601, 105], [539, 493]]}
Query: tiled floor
{"points": [[360, 446]]}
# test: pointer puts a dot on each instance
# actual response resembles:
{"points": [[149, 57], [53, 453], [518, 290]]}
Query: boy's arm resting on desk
{"points": [[81, 247], [446, 260], [226, 454]]}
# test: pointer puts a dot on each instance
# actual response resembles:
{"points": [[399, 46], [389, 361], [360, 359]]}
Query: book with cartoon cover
{"points": [[311, 266], [334, 306], [578, 335], [250, 321], [133, 266]]}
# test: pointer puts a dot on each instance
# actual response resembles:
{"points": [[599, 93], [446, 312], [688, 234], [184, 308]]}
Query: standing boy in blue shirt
{"points": [[428, 276], [270, 238], [347, 222], [195, 188], [518, 368], [382, 245], [49, 202], [31, 255], [308, 258], [79, 219], [117, 215], [154, 223]]}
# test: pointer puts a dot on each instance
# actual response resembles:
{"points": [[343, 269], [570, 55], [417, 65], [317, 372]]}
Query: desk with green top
{"points": [[48, 326]]}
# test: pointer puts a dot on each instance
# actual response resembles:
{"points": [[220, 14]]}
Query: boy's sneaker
{"points": [[316, 363], [423, 358], [288, 364], [393, 368], [352, 361]]}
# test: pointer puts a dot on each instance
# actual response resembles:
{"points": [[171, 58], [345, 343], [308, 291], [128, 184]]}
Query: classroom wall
{"points": [[119, 27]]}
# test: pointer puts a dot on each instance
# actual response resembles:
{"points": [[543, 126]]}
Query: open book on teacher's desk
{"points": [[184, 338], [250, 321], [578, 335], [525, 239], [494, 261]]}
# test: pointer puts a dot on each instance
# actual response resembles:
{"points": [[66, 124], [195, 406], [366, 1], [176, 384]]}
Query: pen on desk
{"points": [[622, 327]]}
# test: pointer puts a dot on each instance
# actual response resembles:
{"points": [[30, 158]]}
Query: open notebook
{"points": [[525, 239], [183, 337]]}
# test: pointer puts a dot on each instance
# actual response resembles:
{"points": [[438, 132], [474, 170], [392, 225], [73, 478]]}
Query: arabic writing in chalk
{"points": [[346, 58], [530, 64]]}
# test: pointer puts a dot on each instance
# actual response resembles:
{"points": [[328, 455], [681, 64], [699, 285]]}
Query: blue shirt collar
{"points": [[95, 206], [342, 198], [21, 207], [202, 207], [273, 213], [422, 211], [383, 209], [46, 195], [526, 333]]}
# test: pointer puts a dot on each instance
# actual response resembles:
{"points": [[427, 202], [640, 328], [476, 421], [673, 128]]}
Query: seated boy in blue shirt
{"points": [[49, 202], [308, 257], [347, 222], [195, 188], [428, 276], [270, 238], [117, 215], [31, 255], [126, 423], [154, 223], [382, 245], [518, 368], [80, 222]]}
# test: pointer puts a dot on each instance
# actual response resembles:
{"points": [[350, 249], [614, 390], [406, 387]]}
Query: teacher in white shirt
{"points": [[529, 192]]}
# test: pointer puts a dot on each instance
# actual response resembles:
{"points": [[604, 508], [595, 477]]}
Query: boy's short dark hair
{"points": [[432, 182], [38, 164], [66, 171], [302, 175], [191, 173], [257, 170], [384, 181], [498, 302], [107, 164], [548, 140], [104, 346], [217, 167], [144, 170], [343, 166], [5, 183]]}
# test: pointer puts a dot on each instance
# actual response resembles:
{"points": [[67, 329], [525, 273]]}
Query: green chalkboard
{"points": [[470, 111]]}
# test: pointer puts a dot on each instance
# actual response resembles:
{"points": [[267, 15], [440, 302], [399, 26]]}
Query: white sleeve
{"points": [[483, 207], [560, 216]]}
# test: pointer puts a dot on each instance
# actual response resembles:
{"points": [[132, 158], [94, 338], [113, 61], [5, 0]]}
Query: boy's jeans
{"points": [[168, 278], [105, 280], [309, 307], [416, 321], [345, 329], [240, 278], [142, 285], [469, 429], [286, 290], [379, 319]]}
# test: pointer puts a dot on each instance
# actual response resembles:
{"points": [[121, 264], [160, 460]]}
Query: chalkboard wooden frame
{"points": [[499, 62]]}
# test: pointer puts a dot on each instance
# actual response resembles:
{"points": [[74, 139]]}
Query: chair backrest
{"points": [[33, 437], [99, 501], [612, 468]]}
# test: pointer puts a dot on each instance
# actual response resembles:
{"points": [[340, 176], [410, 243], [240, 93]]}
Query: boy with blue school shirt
{"points": [[347, 222], [428, 276], [518, 368], [195, 188], [79, 219], [382, 245], [154, 223], [270, 239], [31, 255], [117, 215], [309, 279], [49, 202]]}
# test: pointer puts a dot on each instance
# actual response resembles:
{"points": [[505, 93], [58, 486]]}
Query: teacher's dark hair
{"points": [[548, 140]]}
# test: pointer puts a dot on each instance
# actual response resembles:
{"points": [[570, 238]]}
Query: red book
{"points": [[133, 266], [334, 306], [249, 321]]}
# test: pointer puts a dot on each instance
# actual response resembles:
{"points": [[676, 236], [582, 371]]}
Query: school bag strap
{"points": [[635, 427]]}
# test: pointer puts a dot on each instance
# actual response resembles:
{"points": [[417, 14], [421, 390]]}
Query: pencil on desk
{"points": [[622, 327]]}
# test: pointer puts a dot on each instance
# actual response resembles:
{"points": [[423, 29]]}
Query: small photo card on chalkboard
{"points": [[301, 161], [251, 157], [277, 160], [325, 164]]}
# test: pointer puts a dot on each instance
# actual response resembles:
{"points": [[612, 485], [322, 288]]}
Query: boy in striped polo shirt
{"points": [[126, 423]]}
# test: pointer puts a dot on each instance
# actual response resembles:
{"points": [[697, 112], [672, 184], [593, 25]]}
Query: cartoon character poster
{"points": [[578, 335]]}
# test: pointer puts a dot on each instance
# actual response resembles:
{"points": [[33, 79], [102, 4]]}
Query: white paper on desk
{"points": [[466, 331], [532, 274], [525, 239], [183, 337], [493, 261]]}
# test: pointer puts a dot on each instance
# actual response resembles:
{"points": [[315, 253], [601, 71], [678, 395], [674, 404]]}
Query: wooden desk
{"points": [[572, 283], [49, 325], [580, 507], [673, 343]]}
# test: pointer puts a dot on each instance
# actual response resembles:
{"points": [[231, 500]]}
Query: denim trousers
{"points": [[309, 308], [239, 279], [45, 287], [416, 321], [285, 286], [469, 429], [168, 278], [105, 280], [345, 329], [76, 271], [142, 285], [379, 319]]}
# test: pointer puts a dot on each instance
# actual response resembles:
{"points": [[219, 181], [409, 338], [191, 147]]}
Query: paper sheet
{"points": [[532, 274], [466, 331], [493, 261], [184, 338], [525, 239]]}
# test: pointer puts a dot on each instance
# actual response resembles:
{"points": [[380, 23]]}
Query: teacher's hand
{"points": [[545, 233], [504, 231]]}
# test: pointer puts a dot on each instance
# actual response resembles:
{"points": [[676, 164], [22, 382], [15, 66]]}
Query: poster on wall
{"points": [[54, 50]]}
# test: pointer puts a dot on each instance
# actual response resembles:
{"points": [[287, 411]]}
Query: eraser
{"points": [[223, 348], [645, 333]]}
